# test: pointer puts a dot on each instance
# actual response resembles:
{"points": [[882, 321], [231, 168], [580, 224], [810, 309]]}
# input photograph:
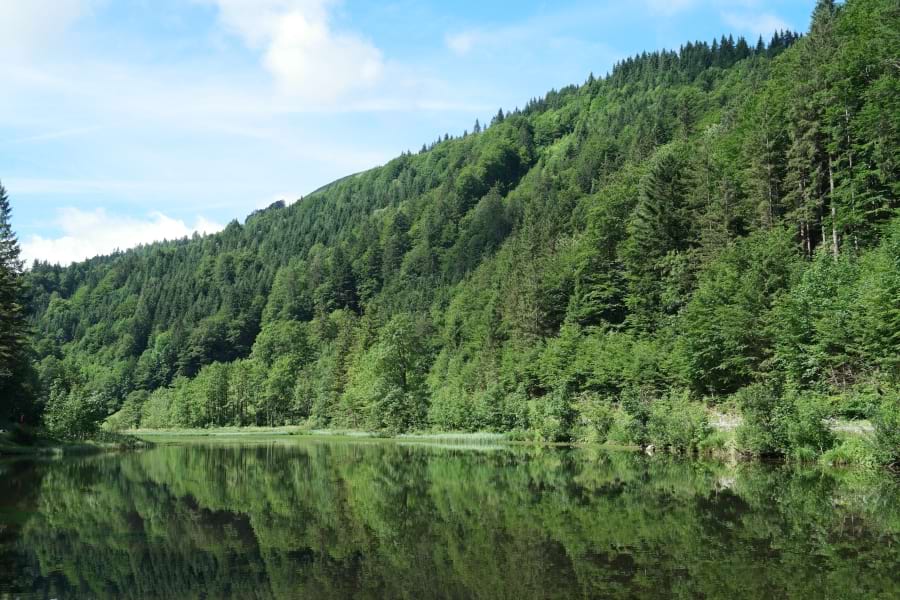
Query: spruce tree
{"points": [[760, 46], [13, 326]]}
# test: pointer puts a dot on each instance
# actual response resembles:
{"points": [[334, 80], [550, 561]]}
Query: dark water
{"points": [[317, 519]]}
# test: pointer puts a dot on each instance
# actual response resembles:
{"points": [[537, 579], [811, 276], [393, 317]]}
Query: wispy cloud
{"points": [[53, 135], [462, 42], [28, 26], [92, 233]]}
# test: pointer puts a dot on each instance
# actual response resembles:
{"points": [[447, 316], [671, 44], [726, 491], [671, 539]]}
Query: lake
{"points": [[320, 518]]}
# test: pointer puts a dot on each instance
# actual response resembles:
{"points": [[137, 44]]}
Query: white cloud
{"points": [[308, 58], [756, 24], [462, 43], [92, 233], [28, 25]]}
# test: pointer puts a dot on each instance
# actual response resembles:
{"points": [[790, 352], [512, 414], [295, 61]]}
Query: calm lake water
{"points": [[341, 519]]}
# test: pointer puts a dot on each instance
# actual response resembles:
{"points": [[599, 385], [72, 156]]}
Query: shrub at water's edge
{"points": [[18, 440], [887, 432]]}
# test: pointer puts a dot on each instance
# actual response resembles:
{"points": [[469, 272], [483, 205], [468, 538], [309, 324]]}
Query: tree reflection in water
{"points": [[381, 520]]}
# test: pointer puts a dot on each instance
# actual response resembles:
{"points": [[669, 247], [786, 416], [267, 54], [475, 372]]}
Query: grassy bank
{"points": [[257, 433], [18, 441], [851, 445], [852, 440]]}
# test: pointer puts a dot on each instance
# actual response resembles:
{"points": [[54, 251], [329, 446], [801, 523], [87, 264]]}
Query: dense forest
{"points": [[712, 226]]}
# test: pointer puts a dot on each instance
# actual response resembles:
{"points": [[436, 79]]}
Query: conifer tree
{"points": [[13, 326]]}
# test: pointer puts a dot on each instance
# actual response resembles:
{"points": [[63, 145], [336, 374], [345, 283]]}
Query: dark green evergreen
{"points": [[16, 395]]}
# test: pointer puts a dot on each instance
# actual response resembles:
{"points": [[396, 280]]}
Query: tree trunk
{"points": [[834, 233], [804, 226], [769, 168], [804, 238]]}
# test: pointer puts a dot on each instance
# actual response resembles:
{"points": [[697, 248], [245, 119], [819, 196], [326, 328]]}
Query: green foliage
{"points": [[552, 417], [386, 388], [853, 451], [16, 401], [155, 411], [677, 424], [596, 417], [887, 431], [723, 337], [860, 401], [659, 230], [129, 416], [790, 424], [760, 432], [636, 402], [279, 339], [73, 414], [803, 420], [715, 444]]}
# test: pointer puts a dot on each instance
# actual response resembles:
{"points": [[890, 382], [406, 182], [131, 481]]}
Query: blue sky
{"points": [[127, 121]]}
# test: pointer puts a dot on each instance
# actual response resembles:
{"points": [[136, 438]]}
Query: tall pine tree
{"points": [[13, 324]]}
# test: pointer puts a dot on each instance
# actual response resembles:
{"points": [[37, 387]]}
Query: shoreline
{"points": [[140, 439], [43, 447]]}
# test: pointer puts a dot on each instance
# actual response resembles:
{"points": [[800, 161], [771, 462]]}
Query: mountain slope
{"points": [[694, 225]]}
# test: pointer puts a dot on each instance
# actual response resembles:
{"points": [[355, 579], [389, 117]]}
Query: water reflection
{"points": [[380, 520]]}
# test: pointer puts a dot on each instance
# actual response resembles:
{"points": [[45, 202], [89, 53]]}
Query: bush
{"points": [[396, 411], [129, 416], [790, 425], [595, 417], [675, 423], [852, 451], [155, 411], [74, 414], [519, 435], [636, 403], [859, 402], [621, 429], [514, 410], [714, 443], [758, 434], [887, 431], [806, 431], [552, 417]]}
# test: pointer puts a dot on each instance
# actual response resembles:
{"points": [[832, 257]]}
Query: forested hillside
{"points": [[716, 224]]}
